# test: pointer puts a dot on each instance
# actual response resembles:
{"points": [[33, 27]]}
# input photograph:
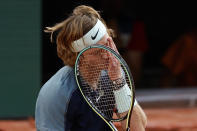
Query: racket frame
{"points": [[126, 68]]}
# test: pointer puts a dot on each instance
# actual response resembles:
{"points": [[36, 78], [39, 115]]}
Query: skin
{"points": [[138, 119]]}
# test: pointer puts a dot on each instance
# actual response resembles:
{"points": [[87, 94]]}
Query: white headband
{"points": [[92, 37]]}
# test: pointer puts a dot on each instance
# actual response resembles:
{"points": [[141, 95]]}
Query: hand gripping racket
{"points": [[106, 84]]}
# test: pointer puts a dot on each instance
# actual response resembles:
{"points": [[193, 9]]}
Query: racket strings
{"points": [[95, 82]]}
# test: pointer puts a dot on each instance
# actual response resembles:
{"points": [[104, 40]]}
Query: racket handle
{"points": [[128, 129]]}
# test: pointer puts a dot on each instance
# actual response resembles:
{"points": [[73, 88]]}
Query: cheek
{"points": [[91, 60], [104, 56]]}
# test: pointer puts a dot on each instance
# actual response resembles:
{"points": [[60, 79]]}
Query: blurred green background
{"points": [[20, 56]]}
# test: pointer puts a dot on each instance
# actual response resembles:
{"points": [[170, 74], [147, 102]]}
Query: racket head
{"points": [[94, 81]]}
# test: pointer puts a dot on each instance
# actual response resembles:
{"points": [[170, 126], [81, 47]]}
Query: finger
{"points": [[112, 44]]}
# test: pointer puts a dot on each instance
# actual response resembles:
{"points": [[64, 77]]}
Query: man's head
{"points": [[78, 31], [91, 37]]}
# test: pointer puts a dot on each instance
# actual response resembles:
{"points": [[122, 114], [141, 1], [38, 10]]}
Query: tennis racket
{"points": [[106, 84]]}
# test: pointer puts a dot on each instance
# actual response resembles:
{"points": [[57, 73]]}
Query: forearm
{"points": [[138, 119]]}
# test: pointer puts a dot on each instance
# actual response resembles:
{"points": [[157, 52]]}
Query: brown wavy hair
{"points": [[81, 20]]}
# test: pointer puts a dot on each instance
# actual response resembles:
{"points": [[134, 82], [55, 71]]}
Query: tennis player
{"points": [[60, 105]]}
